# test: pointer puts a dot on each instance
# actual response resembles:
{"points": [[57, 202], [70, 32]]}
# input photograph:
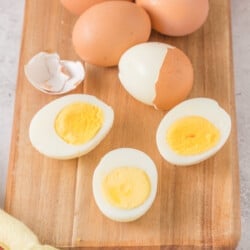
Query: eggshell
{"points": [[176, 17], [204, 107], [106, 30], [156, 74], [47, 73], [77, 7]]}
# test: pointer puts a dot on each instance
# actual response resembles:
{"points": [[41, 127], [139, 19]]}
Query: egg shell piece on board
{"points": [[156, 74], [77, 7], [44, 138], [203, 107], [106, 30], [115, 159], [50, 75], [176, 17]]}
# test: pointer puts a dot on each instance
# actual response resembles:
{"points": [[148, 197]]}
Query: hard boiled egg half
{"points": [[125, 184], [156, 74], [70, 126], [193, 131]]}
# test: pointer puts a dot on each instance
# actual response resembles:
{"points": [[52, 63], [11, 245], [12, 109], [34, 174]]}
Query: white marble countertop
{"points": [[11, 18]]}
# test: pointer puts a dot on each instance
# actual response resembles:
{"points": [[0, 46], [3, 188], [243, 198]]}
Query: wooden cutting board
{"points": [[196, 207]]}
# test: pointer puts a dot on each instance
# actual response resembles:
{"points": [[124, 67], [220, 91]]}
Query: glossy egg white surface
{"points": [[44, 138], [115, 159], [139, 68], [156, 74], [203, 107]]}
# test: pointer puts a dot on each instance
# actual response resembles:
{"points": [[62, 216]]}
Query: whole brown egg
{"points": [[176, 17], [77, 7], [106, 30]]}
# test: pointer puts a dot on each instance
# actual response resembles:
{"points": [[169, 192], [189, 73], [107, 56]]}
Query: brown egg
{"points": [[106, 30], [156, 74], [77, 7], [176, 17]]}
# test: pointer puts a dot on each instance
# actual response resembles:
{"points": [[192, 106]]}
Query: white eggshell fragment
{"points": [[47, 73], [45, 139], [203, 107], [156, 74], [115, 159]]}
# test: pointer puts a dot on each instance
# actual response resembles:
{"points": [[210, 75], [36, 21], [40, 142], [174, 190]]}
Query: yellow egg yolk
{"points": [[192, 135], [79, 122], [126, 187]]}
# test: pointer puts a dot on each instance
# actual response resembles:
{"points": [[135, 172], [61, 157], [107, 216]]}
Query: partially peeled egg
{"points": [[156, 74], [193, 131], [125, 184], [70, 126], [51, 75]]}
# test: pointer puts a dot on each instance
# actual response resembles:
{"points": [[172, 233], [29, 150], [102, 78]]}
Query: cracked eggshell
{"points": [[204, 107], [47, 73], [156, 74]]}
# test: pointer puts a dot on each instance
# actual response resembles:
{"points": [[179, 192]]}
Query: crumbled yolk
{"points": [[79, 122], [3, 246], [126, 187], [192, 135]]}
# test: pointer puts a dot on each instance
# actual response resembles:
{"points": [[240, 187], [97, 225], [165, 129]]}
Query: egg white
{"points": [[204, 107], [115, 159], [44, 138], [139, 69]]}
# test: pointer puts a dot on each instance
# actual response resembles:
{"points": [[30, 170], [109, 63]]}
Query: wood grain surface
{"points": [[196, 207]]}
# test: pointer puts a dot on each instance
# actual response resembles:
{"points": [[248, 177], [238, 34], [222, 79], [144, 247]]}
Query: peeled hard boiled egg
{"points": [[176, 17], [106, 30], [156, 74], [193, 131], [125, 184], [70, 126], [77, 7]]}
